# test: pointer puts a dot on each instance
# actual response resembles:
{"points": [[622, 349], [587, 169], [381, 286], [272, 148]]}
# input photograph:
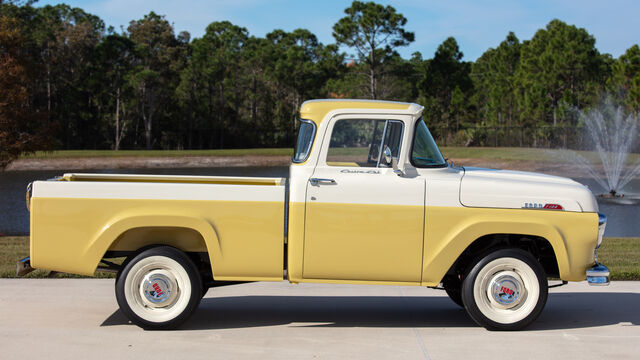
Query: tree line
{"points": [[69, 82]]}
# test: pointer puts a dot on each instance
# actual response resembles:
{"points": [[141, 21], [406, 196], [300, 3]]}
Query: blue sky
{"points": [[476, 25]]}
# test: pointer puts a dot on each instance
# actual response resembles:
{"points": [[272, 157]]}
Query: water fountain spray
{"points": [[614, 135]]}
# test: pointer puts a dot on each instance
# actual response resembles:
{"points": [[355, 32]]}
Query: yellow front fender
{"points": [[450, 230]]}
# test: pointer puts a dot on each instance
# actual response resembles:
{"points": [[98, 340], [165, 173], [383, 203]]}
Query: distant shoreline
{"points": [[149, 162], [146, 162], [552, 162]]}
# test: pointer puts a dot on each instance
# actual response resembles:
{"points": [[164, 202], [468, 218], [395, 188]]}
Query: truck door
{"points": [[363, 221]]}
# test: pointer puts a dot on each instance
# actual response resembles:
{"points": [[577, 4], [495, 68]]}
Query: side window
{"points": [[359, 142]]}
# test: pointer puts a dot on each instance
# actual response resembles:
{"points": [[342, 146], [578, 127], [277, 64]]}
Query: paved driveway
{"points": [[79, 318]]}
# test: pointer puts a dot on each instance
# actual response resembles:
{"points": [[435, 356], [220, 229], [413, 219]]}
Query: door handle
{"points": [[318, 181]]}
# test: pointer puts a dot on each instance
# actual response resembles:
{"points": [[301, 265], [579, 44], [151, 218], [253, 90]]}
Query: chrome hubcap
{"points": [[159, 289], [506, 290]]}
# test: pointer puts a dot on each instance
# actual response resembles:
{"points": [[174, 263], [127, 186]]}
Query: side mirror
{"points": [[393, 161], [388, 157]]}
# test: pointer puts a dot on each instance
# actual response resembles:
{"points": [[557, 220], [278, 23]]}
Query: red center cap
{"points": [[157, 288]]}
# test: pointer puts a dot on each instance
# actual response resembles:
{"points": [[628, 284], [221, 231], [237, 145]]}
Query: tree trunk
{"points": [[48, 88], [123, 126], [147, 132], [372, 75], [117, 147], [210, 120], [236, 104], [148, 118], [296, 106], [147, 127], [221, 115], [254, 103], [191, 116]]}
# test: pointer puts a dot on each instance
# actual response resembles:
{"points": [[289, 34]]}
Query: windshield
{"points": [[305, 140], [425, 152]]}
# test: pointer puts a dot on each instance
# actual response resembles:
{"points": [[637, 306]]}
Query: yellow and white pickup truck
{"points": [[369, 200]]}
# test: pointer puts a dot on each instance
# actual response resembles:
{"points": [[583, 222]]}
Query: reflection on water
{"points": [[623, 220]]}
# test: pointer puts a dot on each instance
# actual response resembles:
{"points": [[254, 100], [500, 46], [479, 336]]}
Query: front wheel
{"points": [[505, 290], [159, 288]]}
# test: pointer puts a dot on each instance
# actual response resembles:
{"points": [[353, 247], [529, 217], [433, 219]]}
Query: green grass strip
{"points": [[621, 255]]}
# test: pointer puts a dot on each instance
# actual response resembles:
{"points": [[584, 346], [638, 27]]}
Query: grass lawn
{"points": [[621, 255], [521, 154], [14, 248]]}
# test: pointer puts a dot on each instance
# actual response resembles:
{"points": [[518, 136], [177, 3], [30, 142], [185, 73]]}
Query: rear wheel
{"points": [[159, 288], [505, 290]]}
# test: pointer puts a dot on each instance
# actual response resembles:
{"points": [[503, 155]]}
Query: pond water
{"points": [[623, 220]]}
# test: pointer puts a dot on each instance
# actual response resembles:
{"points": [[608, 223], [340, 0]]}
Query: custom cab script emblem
{"points": [[347, 171]]}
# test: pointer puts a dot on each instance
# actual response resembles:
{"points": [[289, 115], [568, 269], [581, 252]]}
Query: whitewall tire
{"points": [[159, 288], [505, 290]]}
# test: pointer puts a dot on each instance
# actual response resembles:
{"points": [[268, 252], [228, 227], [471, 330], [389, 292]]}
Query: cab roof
{"points": [[316, 110]]}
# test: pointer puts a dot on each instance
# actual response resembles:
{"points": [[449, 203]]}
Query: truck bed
{"points": [[237, 221]]}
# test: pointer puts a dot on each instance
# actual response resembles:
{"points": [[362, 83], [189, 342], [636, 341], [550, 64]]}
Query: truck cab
{"points": [[370, 200], [360, 198]]}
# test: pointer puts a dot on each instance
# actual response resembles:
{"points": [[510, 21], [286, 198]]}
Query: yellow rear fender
{"points": [[131, 232], [451, 231]]}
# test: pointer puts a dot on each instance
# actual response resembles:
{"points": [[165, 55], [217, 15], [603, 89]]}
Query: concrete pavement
{"points": [[79, 318]]}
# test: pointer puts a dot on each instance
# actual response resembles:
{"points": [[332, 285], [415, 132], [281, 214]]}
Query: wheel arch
{"points": [[446, 254], [130, 234], [541, 249]]}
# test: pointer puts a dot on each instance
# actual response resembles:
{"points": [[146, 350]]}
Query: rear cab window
{"points": [[306, 134]]}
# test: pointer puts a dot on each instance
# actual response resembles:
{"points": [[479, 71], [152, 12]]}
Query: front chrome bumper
{"points": [[602, 225], [598, 275]]}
